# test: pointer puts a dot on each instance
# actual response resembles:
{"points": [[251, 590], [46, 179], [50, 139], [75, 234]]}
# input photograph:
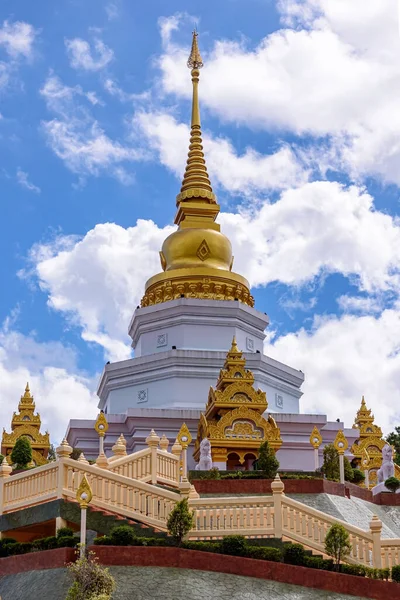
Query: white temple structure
{"points": [[183, 329]]}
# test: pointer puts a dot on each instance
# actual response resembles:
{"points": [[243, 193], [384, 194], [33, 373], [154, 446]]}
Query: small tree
{"points": [[337, 544], [21, 454], [180, 521], [392, 484], [92, 581], [330, 467], [267, 461]]}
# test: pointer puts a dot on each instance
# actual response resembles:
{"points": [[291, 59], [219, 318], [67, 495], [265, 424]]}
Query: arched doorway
{"points": [[249, 461], [233, 462]]}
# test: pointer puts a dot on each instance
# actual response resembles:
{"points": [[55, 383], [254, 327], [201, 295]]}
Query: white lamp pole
{"points": [[84, 496]]}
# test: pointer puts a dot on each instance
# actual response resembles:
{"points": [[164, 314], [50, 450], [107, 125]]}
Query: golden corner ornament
{"points": [[184, 436], [101, 425], [341, 444], [315, 438], [84, 493]]}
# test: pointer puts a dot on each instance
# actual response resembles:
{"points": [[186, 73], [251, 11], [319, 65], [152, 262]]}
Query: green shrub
{"points": [[264, 553], [18, 548], [337, 543], [180, 521], [6, 541], [123, 535], [48, 543], [92, 581], [65, 532], [21, 454], [67, 541], [103, 540], [330, 467], [317, 562], [358, 570], [396, 573], [294, 554], [236, 545], [267, 461], [358, 476], [211, 474], [392, 484], [203, 546]]}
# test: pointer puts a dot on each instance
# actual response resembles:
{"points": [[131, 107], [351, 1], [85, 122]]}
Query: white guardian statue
{"points": [[387, 468], [205, 462]]}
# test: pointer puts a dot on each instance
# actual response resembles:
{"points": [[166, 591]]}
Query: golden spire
{"points": [[234, 348], [196, 183]]}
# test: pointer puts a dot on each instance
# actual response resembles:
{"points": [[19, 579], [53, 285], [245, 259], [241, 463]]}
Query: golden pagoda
{"points": [[197, 258], [26, 424], [370, 441], [233, 420]]}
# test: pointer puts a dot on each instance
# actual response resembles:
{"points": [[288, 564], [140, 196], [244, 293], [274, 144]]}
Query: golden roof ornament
{"points": [[84, 493], [184, 436], [197, 258], [101, 425], [315, 438], [341, 444]]}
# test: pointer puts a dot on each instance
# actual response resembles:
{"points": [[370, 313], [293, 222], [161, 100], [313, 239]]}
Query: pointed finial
{"points": [[196, 185], [27, 390], [234, 347], [195, 61]]}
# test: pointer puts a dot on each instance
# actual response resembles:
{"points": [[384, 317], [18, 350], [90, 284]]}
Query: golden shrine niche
{"points": [[370, 443], [233, 420], [26, 424]]}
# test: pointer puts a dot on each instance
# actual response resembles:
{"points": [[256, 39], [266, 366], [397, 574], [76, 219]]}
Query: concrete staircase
{"points": [[354, 511], [103, 521]]}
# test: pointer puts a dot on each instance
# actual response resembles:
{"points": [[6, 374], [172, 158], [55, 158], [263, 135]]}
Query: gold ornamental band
{"points": [[207, 284]]}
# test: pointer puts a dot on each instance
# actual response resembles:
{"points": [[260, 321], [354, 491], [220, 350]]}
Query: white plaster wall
{"points": [[189, 392], [196, 337]]}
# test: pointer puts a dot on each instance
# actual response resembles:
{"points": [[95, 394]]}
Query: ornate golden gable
{"points": [[26, 423], [370, 441], [233, 420]]}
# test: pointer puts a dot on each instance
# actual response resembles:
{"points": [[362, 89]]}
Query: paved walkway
{"points": [[148, 583]]}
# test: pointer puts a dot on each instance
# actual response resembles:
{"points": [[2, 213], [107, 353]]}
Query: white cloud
{"points": [[82, 56], [243, 173], [112, 11], [59, 390], [77, 138], [17, 38], [98, 281], [336, 73], [23, 181], [361, 304], [344, 358]]}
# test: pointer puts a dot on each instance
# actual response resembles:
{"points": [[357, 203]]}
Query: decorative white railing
{"points": [[26, 489], [390, 552], [216, 517], [122, 495], [308, 526], [149, 465]]}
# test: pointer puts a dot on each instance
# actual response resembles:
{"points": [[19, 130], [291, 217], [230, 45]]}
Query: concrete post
{"points": [[152, 441], [341, 467], [63, 451], [60, 522], [375, 528], [83, 532], [316, 459], [176, 451], [277, 493], [366, 473]]}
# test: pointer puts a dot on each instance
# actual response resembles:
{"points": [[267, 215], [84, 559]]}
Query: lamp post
{"points": [[101, 426], [341, 444], [316, 441], [184, 438], [84, 496]]}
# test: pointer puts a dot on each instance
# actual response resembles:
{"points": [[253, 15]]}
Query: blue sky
{"points": [[300, 117]]}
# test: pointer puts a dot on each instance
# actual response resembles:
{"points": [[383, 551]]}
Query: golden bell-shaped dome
{"points": [[192, 248], [197, 258]]}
